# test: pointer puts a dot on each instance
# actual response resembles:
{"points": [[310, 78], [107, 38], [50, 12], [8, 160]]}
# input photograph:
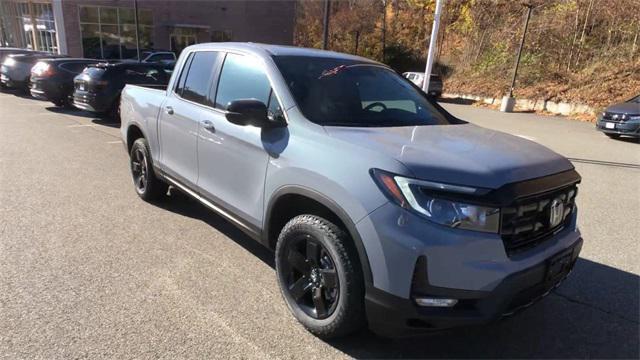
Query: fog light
{"points": [[436, 302]]}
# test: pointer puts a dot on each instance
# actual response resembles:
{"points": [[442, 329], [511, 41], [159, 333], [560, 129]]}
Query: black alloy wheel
{"points": [[147, 184], [140, 170], [311, 277]]}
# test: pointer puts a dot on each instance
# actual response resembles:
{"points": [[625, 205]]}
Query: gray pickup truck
{"points": [[382, 208]]}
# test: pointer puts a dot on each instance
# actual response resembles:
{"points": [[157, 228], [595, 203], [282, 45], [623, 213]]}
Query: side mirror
{"points": [[249, 112]]}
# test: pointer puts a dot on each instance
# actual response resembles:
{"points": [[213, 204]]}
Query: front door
{"points": [[232, 160]]}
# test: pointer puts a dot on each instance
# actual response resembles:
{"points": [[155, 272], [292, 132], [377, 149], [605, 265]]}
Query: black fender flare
{"points": [[331, 205]]}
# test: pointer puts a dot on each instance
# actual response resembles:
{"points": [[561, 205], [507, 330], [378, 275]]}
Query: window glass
{"points": [[341, 92], [108, 15], [196, 86], [127, 16], [274, 110], [242, 78], [109, 32], [128, 41], [89, 14], [183, 75], [220, 36], [91, 40], [110, 41]]}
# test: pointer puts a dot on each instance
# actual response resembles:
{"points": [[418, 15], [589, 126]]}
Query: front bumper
{"points": [[390, 315], [630, 127]]}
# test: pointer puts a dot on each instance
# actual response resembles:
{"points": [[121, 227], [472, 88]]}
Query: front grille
{"points": [[609, 116], [527, 222]]}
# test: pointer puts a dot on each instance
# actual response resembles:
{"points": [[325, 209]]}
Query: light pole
{"points": [[432, 46], [508, 102], [325, 24], [135, 17]]}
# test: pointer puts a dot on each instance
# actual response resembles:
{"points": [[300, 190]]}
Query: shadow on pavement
{"points": [[184, 205], [628, 139], [104, 121], [593, 314]]}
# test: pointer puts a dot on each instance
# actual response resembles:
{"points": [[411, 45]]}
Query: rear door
{"points": [[185, 106], [232, 160]]}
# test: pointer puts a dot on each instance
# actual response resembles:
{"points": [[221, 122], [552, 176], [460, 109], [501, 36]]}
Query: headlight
{"points": [[9, 62], [422, 197], [634, 117]]}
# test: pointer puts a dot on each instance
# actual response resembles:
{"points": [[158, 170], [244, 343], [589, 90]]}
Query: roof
{"points": [[278, 50]]}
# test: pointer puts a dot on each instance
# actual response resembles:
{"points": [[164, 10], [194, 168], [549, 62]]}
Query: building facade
{"points": [[106, 28]]}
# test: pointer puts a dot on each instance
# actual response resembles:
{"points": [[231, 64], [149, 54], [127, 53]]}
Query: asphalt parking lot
{"points": [[87, 270]]}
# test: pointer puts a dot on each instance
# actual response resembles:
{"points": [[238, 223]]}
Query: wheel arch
{"points": [[134, 132], [292, 200]]}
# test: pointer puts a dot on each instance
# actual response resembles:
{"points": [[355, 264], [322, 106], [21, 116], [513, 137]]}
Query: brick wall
{"points": [[255, 21]]}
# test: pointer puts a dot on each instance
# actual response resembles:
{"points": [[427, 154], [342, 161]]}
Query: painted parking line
{"points": [[81, 125], [115, 142]]}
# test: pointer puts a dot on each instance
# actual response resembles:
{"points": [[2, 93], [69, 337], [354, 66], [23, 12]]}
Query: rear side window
{"points": [[242, 77], [74, 67], [183, 75], [196, 85], [95, 72]]}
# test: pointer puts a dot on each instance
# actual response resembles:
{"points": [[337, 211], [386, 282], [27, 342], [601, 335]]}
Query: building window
{"points": [[110, 32], [181, 37], [220, 36], [19, 21]]}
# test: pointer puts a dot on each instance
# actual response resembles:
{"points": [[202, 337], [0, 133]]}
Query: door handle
{"points": [[169, 110], [208, 125]]}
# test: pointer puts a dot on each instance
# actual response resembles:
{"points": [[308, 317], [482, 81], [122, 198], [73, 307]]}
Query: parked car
{"points": [[382, 207], [98, 87], [435, 85], [157, 56], [16, 69], [6, 51], [621, 119], [52, 79]]}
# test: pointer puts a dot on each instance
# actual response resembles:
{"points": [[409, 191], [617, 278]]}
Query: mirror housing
{"points": [[250, 112]]}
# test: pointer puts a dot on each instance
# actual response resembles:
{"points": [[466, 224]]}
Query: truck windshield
{"points": [[342, 92]]}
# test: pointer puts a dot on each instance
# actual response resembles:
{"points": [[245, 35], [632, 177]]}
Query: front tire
{"points": [[148, 186], [319, 276]]}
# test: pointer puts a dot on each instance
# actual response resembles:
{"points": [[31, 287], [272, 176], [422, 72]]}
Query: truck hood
{"points": [[463, 154], [625, 108]]}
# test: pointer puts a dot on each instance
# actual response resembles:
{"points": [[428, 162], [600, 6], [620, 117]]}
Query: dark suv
{"points": [[98, 87], [16, 69], [52, 79]]}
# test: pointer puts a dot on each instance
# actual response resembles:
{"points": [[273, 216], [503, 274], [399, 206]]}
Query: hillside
{"points": [[582, 51]]}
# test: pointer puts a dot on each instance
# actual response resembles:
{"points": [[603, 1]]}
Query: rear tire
{"points": [[147, 185], [319, 276]]}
